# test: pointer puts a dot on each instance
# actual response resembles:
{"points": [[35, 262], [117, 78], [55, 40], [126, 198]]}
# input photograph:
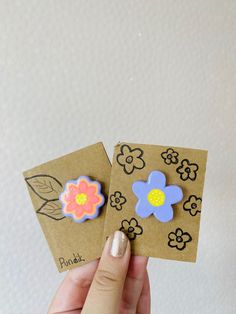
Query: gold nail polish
{"points": [[118, 244]]}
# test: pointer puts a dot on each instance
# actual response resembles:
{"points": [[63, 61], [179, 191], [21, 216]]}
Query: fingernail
{"points": [[119, 244]]}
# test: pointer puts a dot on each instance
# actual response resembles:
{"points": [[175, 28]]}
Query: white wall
{"points": [[76, 72]]}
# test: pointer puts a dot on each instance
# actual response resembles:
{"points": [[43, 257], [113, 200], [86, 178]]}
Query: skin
{"points": [[117, 285]]}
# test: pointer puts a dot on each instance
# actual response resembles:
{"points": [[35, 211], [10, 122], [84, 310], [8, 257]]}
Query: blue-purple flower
{"points": [[154, 197]]}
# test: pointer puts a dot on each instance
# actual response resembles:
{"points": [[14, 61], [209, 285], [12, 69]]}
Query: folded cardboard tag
{"points": [[184, 167], [72, 244]]}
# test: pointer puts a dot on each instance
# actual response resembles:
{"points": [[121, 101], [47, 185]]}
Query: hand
{"points": [[118, 283]]}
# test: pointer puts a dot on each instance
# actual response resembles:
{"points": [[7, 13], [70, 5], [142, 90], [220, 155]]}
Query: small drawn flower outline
{"points": [[170, 156], [193, 205], [117, 200], [187, 170], [131, 228], [178, 239], [130, 159]]}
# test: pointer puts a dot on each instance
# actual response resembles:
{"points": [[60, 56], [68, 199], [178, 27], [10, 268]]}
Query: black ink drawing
{"points": [[117, 200], [170, 156], [131, 228], [178, 239], [130, 159], [193, 205], [52, 209], [187, 170], [48, 189], [77, 258]]}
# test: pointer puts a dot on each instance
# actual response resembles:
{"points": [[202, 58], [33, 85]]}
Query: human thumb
{"points": [[106, 289]]}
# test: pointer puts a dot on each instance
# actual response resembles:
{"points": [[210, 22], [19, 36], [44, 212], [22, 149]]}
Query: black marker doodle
{"points": [[193, 205], [48, 189], [187, 170], [178, 239], [130, 159], [170, 156], [117, 200], [131, 228], [77, 258], [52, 209], [45, 186]]}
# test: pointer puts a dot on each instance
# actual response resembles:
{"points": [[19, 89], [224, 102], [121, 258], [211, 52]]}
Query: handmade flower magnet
{"points": [[81, 199], [154, 197]]}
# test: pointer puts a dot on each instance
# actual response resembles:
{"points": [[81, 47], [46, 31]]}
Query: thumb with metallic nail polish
{"points": [[106, 289]]}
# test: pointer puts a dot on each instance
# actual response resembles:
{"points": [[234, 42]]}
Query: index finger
{"points": [[74, 289]]}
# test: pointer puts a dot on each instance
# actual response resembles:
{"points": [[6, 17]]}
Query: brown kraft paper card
{"points": [[72, 244], [176, 239]]}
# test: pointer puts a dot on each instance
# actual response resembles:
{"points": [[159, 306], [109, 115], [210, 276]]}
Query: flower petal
{"points": [[172, 236], [140, 189], [185, 163], [180, 169], [125, 224], [164, 155], [138, 230], [172, 243], [73, 189], [193, 167], [186, 237], [117, 206], [121, 159], [69, 197], [79, 213], [174, 160], [164, 213], [192, 175], [73, 206], [83, 186], [94, 199], [129, 168], [157, 178], [125, 149], [137, 152], [92, 189], [89, 208], [112, 198], [173, 194], [117, 194], [179, 232], [122, 200], [170, 150], [144, 209], [139, 163], [168, 161], [180, 245], [184, 176], [133, 222], [187, 205]]}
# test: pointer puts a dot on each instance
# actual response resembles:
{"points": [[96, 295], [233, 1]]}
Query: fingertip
{"points": [[117, 245]]}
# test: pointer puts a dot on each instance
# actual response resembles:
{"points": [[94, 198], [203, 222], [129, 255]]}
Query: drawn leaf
{"points": [[52, 209], [45, 186]]}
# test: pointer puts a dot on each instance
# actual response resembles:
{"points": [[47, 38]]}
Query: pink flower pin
{"points": [[81, 199]]}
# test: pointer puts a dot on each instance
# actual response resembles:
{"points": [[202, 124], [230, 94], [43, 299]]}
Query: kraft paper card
{"points": [[72, 244], [138, 206]]}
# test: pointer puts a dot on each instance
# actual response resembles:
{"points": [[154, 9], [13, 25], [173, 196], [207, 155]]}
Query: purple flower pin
{"points": [[154, 197]]}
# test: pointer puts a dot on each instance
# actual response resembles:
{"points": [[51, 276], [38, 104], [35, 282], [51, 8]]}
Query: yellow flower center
{"points": [[156, 197], [81, 198]]}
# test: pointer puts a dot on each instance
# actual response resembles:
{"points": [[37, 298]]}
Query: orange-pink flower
{"points": [[81, 199]]}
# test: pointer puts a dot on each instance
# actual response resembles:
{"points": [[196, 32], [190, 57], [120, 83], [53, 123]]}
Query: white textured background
{"points": [[76, 72]]}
